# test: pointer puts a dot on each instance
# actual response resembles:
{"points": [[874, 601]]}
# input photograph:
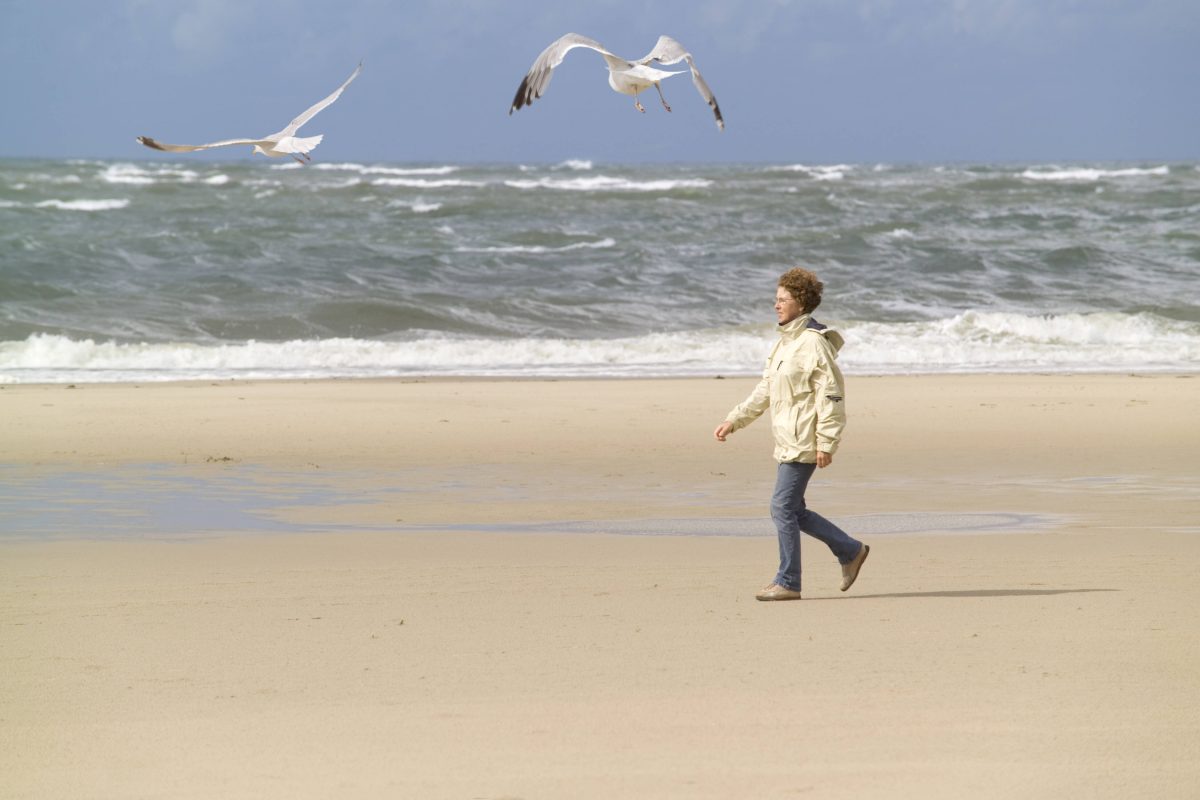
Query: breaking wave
{"points": [[520, 248], [602, 183], [83, 205], [1089, 174], [972, 342]]}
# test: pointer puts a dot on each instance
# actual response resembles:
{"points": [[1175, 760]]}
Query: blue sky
{"points": [[812, 81]]}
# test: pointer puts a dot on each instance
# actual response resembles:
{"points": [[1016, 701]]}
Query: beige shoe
{"points": [[777, 592], [850, 571]]}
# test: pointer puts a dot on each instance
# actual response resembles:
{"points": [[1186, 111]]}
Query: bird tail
{"points": [[296, 144]]}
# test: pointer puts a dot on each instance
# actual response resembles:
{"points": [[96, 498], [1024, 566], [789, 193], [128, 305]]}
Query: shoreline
{"points": [[1162, 372], [451, 452]]}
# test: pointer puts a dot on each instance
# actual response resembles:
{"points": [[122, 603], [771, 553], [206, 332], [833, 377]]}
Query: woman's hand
{"points": [[823, 459], [722, 431]]}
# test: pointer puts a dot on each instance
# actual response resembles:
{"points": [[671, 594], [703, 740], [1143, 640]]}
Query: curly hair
{"points": [[804, 286]]}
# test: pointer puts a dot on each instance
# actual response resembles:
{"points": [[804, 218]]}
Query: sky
{"points": [[798, 81]]}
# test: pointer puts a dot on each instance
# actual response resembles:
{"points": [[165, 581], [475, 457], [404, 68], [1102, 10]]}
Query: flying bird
{"points": [[284, 143], [626, 77]]}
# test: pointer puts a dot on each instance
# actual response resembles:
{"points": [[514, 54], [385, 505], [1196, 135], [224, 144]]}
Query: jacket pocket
{"points": [[795, 381]]}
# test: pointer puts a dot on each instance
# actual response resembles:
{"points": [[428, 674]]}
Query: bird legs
{"points": [[299, 160], [638, 103], [661, 97]]}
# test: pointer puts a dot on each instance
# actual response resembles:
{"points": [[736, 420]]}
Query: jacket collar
{"points": [[794, 328]]}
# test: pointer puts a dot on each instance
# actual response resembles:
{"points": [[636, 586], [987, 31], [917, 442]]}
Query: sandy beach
{"points": [[545, 589]]}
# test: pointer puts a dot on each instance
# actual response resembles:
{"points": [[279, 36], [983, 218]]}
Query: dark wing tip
{"points": [[146, 140], [522, 98]]}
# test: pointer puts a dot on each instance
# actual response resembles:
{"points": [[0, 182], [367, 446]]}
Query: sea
{"points": [[123, 271]]}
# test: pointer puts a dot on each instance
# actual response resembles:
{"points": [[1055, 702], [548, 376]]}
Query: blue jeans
{"points": [[792, 516]]}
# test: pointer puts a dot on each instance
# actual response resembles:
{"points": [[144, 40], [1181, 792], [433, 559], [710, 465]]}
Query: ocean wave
{"points": [[519, 248], [602, 183], [577, 164], [971, 342], [84, 205], [969, 237], [44, 358], [1091, 174], [345, 183], [42, 177], [219, 179], [999, 342], [363, 169], [131, 174], [827, 172], [423, 183], [417, 207]]}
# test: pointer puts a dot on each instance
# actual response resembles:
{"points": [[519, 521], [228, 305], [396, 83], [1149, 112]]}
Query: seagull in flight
{"points": [[626, 77], [284, 143]]}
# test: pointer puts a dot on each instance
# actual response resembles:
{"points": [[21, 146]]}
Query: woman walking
{"points": [[803, 387]]}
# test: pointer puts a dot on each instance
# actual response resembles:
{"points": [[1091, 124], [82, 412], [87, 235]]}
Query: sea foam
{"points": [[602, 183], [131, 174], [41, 177], [50, 358], [425, 183], [825, 172], [1002, 342], [84, 205], [1089, 174], [518, 248], [363, 169], [971, 342], [416, 208]]}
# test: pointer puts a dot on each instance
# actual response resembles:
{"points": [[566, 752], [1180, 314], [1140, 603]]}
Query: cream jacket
{"points": [[804, 389]]}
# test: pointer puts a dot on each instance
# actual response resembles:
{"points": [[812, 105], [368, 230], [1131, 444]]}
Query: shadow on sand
{"points": [[973, 593]]}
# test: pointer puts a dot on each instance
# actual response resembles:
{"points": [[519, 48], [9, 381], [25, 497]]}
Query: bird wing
{"points": [[668, 51], [154, 144], [316, 108], [534, 84]]}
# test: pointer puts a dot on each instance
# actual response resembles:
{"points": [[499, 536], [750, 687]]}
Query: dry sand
{"points": [[418, 629]]}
